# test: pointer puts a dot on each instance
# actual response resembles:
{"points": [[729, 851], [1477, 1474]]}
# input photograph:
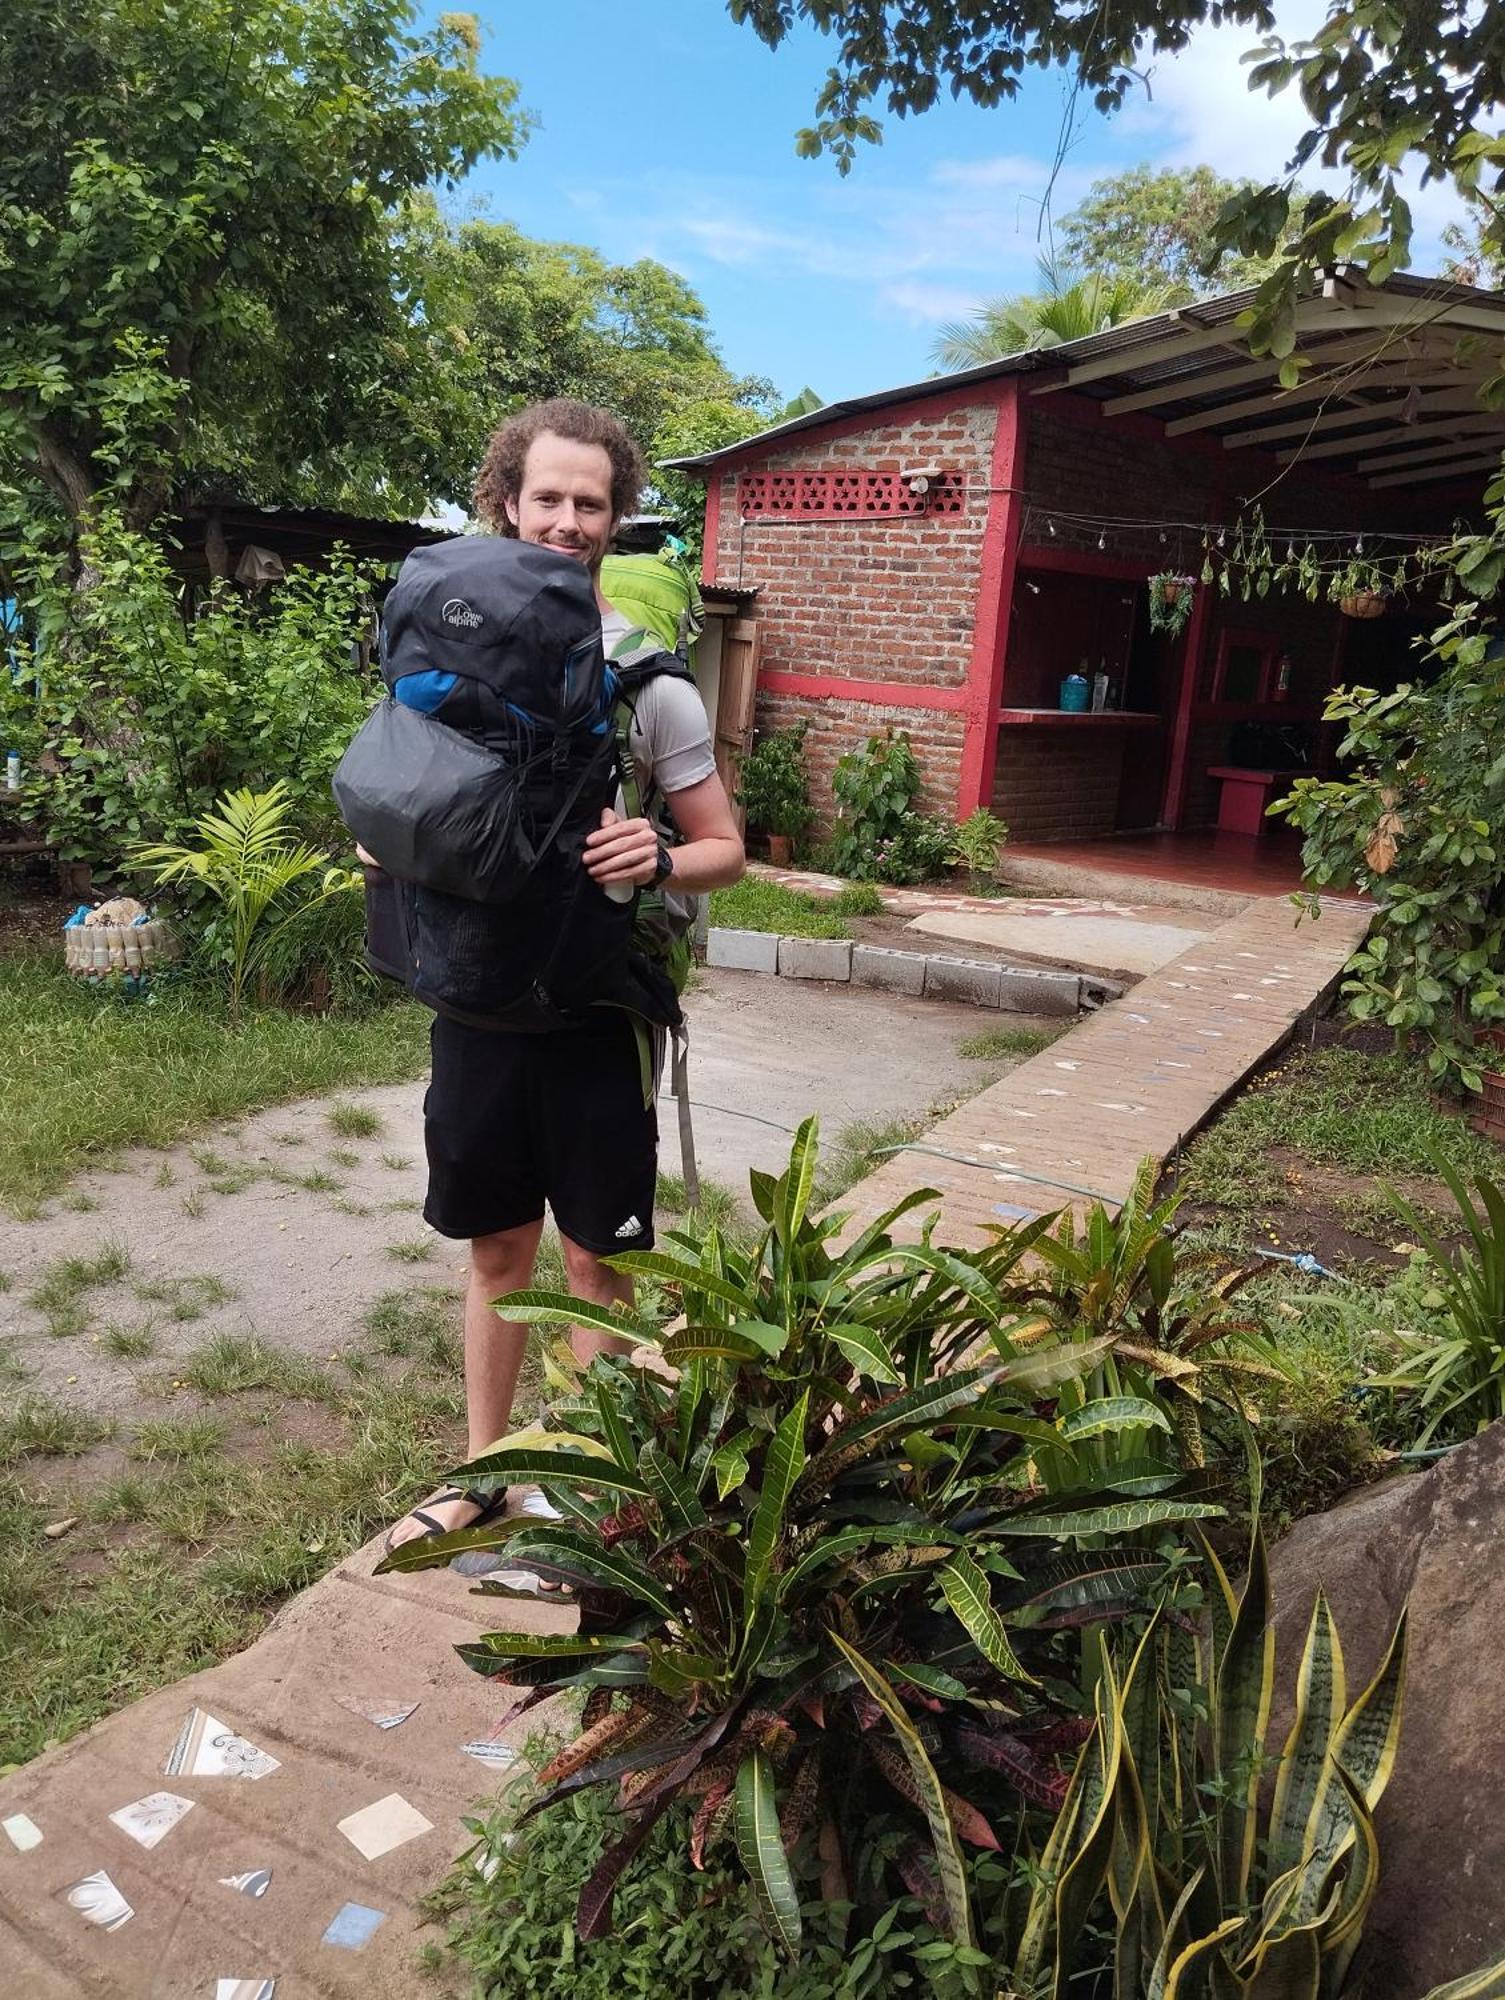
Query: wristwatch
{"points": [[664, 866]]}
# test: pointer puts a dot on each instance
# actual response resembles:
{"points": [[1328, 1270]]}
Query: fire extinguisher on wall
{"points": [[1282, 688]]}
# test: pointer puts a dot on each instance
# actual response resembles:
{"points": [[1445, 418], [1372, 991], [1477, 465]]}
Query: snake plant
{"points": [[1220, 1885]]}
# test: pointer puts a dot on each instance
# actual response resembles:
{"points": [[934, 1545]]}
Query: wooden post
{"points": [[1173, 799], [995, 603]]}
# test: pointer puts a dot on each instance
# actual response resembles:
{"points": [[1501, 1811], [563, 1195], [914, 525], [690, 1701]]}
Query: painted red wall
{"points": [[886, 605], [869, 621]]}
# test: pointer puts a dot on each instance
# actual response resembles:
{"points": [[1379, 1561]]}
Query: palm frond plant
{"points": [[1458, 1377], [823, 1596], [249, 860], [1217, 1882], [1067, 306]]}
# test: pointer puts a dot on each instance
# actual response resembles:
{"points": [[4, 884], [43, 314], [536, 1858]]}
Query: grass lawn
{"points": [[83, 1073], [244, 1474], [1361, 1115], [755, 904]]}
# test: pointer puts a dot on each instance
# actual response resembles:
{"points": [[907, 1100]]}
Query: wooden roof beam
{"points": [[1419, 452], [1397, 434], [1212, 381], [1312, 388], [1464, 397], [1451, 470]]}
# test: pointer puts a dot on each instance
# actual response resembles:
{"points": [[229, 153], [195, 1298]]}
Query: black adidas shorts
{"points": [[514, 1122]]}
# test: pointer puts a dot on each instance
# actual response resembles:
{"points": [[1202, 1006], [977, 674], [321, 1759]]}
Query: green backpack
{"points": [[660, 594]]}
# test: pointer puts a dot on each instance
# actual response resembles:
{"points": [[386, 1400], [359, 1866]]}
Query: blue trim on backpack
{"points": [[424, 691]]}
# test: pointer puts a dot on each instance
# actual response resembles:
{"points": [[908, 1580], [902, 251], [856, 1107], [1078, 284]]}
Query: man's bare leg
{"points": [[494, 1350], [589, 1278]]}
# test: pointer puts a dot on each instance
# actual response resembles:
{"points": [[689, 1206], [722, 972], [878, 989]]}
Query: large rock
{"points": [[1439, 1539]]}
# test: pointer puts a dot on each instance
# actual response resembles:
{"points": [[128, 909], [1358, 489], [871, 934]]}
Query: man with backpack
{"points": [[517, 1121]]}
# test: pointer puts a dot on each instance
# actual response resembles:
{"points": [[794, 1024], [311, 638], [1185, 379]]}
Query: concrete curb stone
{"points": [[742, 951], [893, 971], [815, 958], [976, 983]]}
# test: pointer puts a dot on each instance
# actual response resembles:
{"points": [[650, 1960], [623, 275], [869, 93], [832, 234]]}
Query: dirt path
{"points": [[291, 1223]]}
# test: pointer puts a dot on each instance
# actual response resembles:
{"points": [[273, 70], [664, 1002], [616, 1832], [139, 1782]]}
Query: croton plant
{"points": [[825, 1598]]}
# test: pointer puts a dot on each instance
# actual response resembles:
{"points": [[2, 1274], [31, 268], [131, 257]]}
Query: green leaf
{"points": [[948, 1854], [557, 1468], [617, 1440], [761, 1851], [782, 1466], [1112, 1413], [540, 1308], [558, 1645], [1121, 1519], [866, 1349], [730, 1462], [1045, 1369], [793, 1197], [577, 1555], [911, 1411], [929, 1680], [966, 1588], [851, 1541], [1321, 1697], [674, 1271], [1243, 1691], [675, 1497]]}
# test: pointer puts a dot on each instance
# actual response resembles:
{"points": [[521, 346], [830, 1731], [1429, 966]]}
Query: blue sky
{"points": [[666, 131]]}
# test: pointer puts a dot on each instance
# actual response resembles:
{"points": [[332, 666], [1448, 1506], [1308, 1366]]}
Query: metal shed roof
{"points": [[1390, 395]]}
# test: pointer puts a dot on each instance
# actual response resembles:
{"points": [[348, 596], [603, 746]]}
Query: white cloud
{"points": [[926, 304], [1201, 110]]}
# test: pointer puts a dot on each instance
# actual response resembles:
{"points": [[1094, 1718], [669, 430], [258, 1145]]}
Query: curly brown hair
{"points": [[500, 478]]}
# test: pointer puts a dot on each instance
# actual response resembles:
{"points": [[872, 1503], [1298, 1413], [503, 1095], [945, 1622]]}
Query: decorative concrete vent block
{"points": [[742, 951], [815, 958], [893, 971], [972, 981]]}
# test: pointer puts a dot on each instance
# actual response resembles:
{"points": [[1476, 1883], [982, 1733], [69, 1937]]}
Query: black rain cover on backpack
{"points": [[476, 784]]}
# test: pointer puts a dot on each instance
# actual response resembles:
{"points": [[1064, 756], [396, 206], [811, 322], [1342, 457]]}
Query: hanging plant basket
{"points": [[1171, 598], [1363, 604]]}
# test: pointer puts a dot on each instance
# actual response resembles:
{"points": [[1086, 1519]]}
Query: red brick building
{"points": [[940, 557]]}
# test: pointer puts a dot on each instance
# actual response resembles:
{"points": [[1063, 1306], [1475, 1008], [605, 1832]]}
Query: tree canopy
{"points": [[201, 283], [1381, 83], [1154, 227], [535, 319]]}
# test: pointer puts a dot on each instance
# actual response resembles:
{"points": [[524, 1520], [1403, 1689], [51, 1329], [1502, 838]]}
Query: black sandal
{"points": [[489, 1510]]}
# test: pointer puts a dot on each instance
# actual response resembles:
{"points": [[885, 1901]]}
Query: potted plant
{"points": [[1172, 595], [1359, 590], [775, 790]]}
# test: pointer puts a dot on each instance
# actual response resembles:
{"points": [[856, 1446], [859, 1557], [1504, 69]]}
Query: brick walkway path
{"points": [[1075, 1122]]}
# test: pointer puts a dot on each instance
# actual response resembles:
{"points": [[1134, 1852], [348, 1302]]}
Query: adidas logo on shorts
{"points": [[631, 1227]]}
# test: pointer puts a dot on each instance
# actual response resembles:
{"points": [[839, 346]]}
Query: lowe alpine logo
{"points": [[457, 612]]}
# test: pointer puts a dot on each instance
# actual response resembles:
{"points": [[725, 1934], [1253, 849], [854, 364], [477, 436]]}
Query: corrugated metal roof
{"points": [[1144, 365]]}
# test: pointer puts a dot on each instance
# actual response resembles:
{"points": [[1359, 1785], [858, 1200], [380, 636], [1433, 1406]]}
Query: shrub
{"points": [[1412, 824], [774, 785], [1458, 1375], [149, 719], [919, 850], [265, 882], [692, 1933], [875, 789], [815, 1569], [977, 845]]}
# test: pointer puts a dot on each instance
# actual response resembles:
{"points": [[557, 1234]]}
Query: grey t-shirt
{"points": [[670, 735]]}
